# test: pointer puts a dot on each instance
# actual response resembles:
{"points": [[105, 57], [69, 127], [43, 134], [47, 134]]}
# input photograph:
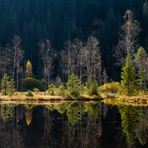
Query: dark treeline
{"points": [[61, 20]]}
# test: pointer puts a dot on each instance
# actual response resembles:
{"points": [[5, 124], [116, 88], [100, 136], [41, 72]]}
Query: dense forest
{"points": [[54, 24], [73, 73]]}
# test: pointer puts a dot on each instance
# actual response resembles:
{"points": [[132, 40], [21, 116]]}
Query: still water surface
{"points": [[73, 125]]}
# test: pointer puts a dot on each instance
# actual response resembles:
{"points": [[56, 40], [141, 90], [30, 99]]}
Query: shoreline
{"points": [[21, 96], [42, 97], [128, 100]]}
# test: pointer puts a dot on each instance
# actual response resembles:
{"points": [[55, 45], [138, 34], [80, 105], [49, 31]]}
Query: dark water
{"points": [[73, 125]]}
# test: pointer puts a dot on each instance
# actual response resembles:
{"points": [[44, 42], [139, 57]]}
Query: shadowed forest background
{"points": [[62, 20], [73, 73]]}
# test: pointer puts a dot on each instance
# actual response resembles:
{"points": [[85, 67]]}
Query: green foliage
{"points": [[129, 122], [92, 88], [141, 60], [7, 111], [74, 87], [7, 85], [128, 78], [55, 90], [134, 124], [112, 87], [29, 93], [60, 91], [74, 112], [51, 89], [141, 79], [93, 109], [141, 54], [36, 90], [30, 84]]}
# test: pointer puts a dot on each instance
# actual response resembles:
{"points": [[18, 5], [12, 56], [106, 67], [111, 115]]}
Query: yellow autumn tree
{"points": [[28, 72]]}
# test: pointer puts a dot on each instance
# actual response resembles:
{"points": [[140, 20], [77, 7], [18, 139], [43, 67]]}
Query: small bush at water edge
{"points": [[92, 88], [29, 93], [113, 87]]}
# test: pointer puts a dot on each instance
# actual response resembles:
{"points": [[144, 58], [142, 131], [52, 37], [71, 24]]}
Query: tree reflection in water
{"points": [[73, 125], [135, 124]]}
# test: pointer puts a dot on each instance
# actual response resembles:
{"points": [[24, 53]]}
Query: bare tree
{"points": [[128, 38], [70, 58], [82, 59], [46, 57], [104, 76], [92, 59], [6, 60], [17, 58]]}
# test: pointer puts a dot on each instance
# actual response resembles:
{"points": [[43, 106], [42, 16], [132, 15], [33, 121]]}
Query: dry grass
{"points": [[134, 97], [41, 96], [140, 100], [21, 96]]}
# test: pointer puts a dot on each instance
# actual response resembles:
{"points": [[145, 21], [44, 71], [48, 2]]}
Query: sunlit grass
{"points": [[42, 96], [138, 100]]}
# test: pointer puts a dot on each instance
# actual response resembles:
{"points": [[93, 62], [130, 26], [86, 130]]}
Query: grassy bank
{"points": [[128, 100], [110, 98], [41, 96]]}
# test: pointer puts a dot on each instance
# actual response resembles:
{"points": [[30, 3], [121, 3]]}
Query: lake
{"points": [[72, 125]]}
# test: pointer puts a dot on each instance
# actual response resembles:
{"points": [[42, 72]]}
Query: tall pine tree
{"points": [[128, 77]]}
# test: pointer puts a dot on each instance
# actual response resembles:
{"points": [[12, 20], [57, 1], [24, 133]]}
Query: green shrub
{"points": [[7, 85], [29, 93], [112, 87], [30, 84], [55, 90], [51, 89], [60, 90], [36, 90], [92, 88], [74, 87]]}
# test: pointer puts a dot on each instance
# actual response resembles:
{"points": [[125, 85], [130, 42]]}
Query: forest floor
{"points": [[41, 96]]}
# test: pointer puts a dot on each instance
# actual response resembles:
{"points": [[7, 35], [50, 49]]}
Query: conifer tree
{"points": [[7, 85], [128, 77], [141, 61], [28, 69], [74, 86]]}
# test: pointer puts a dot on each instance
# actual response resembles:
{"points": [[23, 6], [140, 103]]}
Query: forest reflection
{"points": [[72, 125], [134, 122], [57, 125]]}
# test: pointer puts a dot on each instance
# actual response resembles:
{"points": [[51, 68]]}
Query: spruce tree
{"points": [[128, 77], [74, 86], [7, 85], [141, 61]]}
